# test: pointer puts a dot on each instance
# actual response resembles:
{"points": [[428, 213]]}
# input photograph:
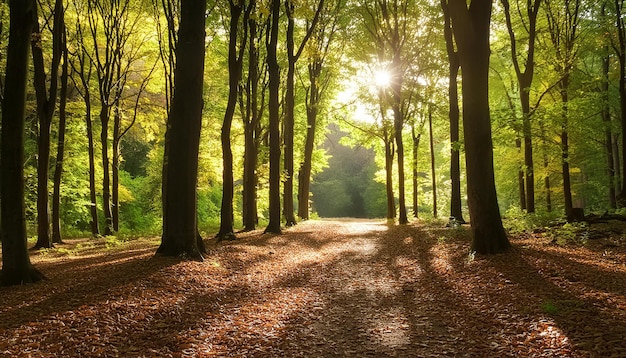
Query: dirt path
{"points": [[324, 289]]}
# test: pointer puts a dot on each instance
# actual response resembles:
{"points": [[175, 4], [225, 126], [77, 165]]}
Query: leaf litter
{"points": [[333, 288]]}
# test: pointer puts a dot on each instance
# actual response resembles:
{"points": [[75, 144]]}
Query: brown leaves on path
{"points": [[325, 289]]}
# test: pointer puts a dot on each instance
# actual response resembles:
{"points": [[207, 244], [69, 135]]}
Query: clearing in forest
{"points": [[335, 288]]}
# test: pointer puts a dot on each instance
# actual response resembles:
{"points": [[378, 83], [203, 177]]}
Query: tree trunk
{"points": [[16, 266], [251, 131], [235, 62], [525, 79], [389, 154], [416, 142], [520, 178], [106, 174], [456, 211], [617, 161], [115, 166], [471, 31], [46, 104], [93, 197], [546, 169], [289, 120], [398, 124], [432, 161], [567, 187], [621, 56], [180, 236], [304, 175], [58, 172], [608, 135], [274, 123]]}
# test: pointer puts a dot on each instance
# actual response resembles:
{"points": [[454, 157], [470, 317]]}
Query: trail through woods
{"points": [[325, 289]]}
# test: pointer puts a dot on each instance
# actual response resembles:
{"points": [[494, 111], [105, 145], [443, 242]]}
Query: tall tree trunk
{"points": [[293, 55], [398, 124], [251, 130], [184, 122], [289, 120], [416, 142], [608, 135], [621, 56], [456, 211], [520, 178], [389, 154], [235, 64], [471, 32], [115, 165], [46, 104], [567, 186], [617, 161], [432, 161], [93, 197], [563, 24], [312, 110], [58, 171], [525, 79], [273, 225], [16, 266], [546, 168], [106, 173]]}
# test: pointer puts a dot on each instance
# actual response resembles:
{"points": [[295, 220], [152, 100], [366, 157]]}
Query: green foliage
{"points": [[518, 222], [569, 233]]}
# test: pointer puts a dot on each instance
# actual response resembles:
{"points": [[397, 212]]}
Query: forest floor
{"points": [[336, 288]]}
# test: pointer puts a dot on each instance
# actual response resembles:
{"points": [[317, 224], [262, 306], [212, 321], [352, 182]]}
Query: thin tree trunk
{"points": [[567, 187], [304, 175], [251, 131], [608, 135], [416, 142], [525, 79], [274, 123], [621, 56], [293, 55], [389, 154], [115, 167], [235, 64], [456, 211], [432, 161], [617, 161], [106, 174], [46, 104], [520, 178], [58, 172]]}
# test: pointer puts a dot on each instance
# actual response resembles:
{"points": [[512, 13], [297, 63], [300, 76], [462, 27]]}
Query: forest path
{"points": [[328, 288]]}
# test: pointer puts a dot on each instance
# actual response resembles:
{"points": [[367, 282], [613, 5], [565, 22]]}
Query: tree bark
{"points": [[621, 57], [16, 266], [46, 104], [416, 142], [289, 121], [471, 32], [525, 79], [252, 129], [273, 225], [432, 161], [235, 65], [58, 171], [304, 175], [184, 124], [608, 134]]}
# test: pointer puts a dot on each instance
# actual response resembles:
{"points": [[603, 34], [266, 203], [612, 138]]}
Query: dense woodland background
{"points": [[364, 86]]}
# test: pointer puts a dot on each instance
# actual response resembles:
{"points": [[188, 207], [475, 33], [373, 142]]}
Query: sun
{"points": [[382, 78]]}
